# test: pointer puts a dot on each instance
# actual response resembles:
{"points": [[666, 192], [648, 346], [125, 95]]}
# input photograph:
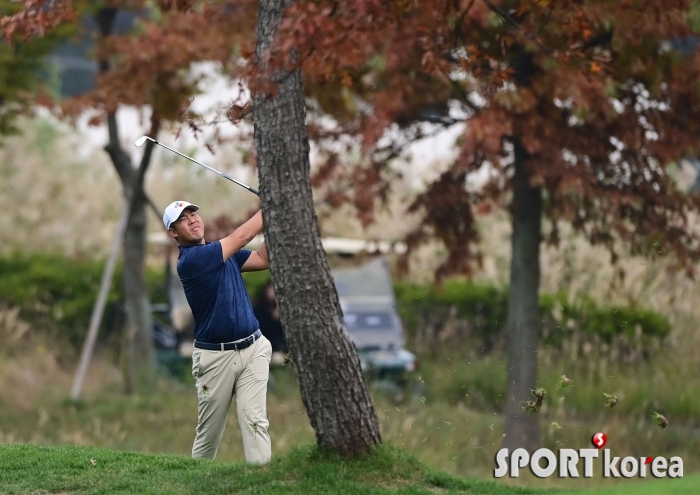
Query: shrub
{"points": [[465, 311], [482, 308], [57, 294]]}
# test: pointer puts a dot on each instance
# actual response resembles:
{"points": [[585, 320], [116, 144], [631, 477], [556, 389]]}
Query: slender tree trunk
{"points": [[137, 357], [324, 358], [523, 325]]}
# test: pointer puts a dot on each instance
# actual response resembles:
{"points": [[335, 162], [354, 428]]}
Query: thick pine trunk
{"points": [[325, 360], [523, 325]]}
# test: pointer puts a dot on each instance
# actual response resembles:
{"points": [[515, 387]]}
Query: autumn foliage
{"points": [[589, 88], [594, 91]]}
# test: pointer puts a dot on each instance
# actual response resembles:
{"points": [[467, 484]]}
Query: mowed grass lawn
{"points": [[26, 469], [688, 485]]}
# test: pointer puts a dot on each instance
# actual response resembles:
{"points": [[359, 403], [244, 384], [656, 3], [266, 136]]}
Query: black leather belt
{"points": [[230, 346]]}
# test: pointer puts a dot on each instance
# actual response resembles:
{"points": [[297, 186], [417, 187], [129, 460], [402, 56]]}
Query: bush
{"points": [[482, 308], [57, 294], [465, 311], [628, 330], [53, 291]]}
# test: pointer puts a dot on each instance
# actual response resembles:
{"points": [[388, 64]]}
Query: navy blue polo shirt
{"points": [[216, 293]]}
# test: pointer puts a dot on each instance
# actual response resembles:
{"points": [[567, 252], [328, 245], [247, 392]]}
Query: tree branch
{"points": [[121, 161], [146, 157], [546, 19], [460, 20]]}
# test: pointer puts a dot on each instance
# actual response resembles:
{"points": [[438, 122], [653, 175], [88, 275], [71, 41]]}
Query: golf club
{"points": [[139, 142]]}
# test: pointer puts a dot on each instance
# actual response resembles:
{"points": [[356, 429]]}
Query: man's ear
{"points": [[172, 233]]}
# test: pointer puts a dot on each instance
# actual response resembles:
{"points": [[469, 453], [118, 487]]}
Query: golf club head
{"points": [[139, 142]]}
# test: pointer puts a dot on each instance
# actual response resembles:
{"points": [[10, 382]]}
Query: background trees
{"points": [[20, 68], [572, 110], [148, 68]]}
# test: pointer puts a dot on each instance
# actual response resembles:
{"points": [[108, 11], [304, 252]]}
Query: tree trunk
{"points": [[523, 325], [139, 361], [324, 358], [137, 358]]}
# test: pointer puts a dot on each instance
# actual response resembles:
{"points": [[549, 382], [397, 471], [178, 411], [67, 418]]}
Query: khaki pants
{"points": [[219, 375]]}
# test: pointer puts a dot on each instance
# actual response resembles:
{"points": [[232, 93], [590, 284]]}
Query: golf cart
{"points": [[366, 295]]}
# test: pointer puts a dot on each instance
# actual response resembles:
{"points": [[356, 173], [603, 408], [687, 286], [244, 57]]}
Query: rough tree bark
{"points": [[523, 324], [137, 357], [324, 358]]}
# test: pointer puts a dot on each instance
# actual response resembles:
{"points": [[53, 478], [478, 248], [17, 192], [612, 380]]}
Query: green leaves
{"points": [[659, 419], [624, 329], [535, 405], [610, 400], [693, 16], [55, 293]]}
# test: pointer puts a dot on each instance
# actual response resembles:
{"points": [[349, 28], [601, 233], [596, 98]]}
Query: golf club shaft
{"points": [[254, 191]]}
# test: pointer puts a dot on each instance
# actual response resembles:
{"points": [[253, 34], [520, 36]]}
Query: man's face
{"points": [[188, 229]]}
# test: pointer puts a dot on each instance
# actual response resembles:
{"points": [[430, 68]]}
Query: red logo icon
{"points": [[649, 459], [599, 440]]}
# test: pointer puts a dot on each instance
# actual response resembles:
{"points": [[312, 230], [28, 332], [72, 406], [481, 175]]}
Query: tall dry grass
{"points": [[60, 192], [580, 269]]}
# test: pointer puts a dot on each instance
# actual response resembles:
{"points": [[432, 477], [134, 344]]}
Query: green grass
{"points": [[661, 384], [688, 485], [88, 470], [82, 470], [448, 435]]}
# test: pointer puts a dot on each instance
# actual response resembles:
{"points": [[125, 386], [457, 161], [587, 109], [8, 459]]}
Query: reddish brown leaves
{"points": [[236, 112], [153, 66], [599, 110], [34, 18], [599, 106], [448, 216]]}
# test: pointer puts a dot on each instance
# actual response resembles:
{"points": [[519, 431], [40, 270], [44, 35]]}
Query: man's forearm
{"points": [[251, 228], [242, 235], [262, 252]]}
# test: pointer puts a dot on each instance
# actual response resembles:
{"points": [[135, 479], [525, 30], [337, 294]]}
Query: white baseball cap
{"points": [[174, 210]]}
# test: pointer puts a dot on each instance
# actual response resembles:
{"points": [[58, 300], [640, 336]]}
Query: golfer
{"points": [[231, 356]]}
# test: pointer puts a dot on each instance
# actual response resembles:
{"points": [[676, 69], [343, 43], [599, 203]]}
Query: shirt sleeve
{"points": [[201, 260], [241, 257]]}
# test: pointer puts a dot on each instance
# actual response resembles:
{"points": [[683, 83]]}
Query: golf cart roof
{"points": [[371, 279]]}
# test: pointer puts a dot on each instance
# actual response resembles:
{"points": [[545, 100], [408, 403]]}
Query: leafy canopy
{"points": [[594, 92]]}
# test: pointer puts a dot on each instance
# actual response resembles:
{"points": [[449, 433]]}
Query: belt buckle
{"points": [[241, 342]]}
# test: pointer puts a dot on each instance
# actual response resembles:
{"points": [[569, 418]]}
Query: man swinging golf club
{"points": [[231, 356]]}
